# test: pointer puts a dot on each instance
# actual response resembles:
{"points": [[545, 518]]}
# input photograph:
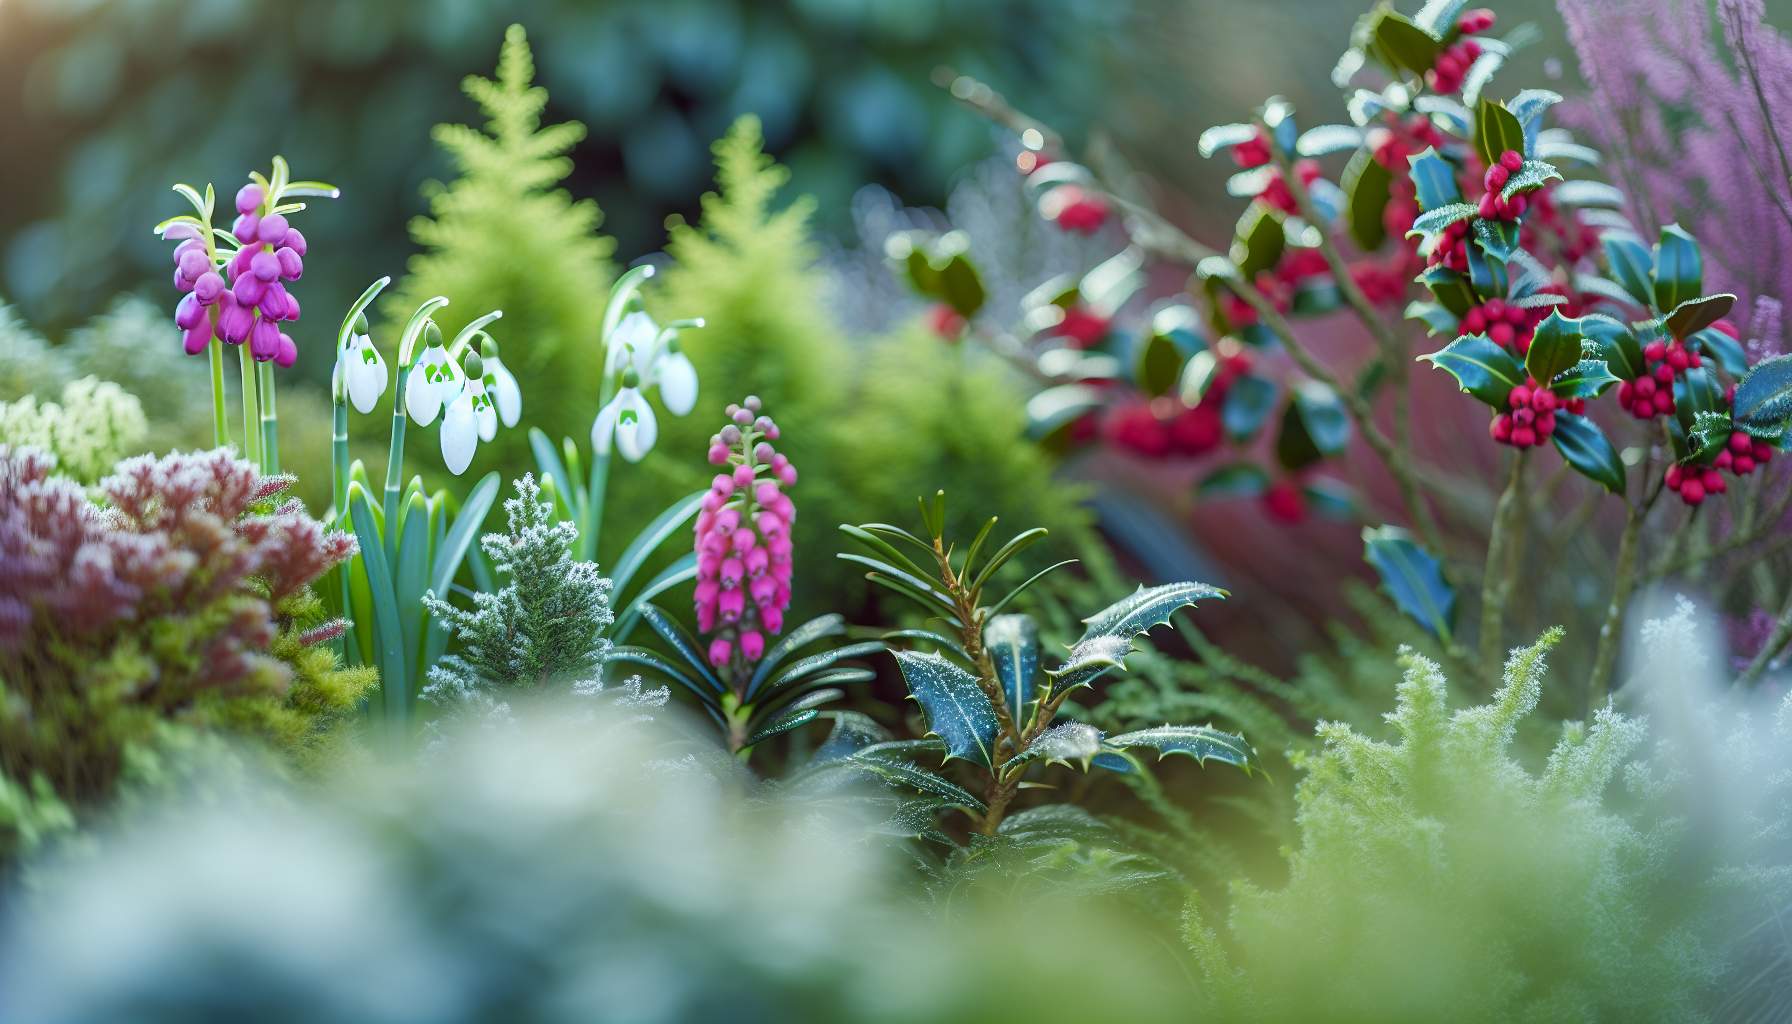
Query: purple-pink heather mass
{"points": [[743, 539]]}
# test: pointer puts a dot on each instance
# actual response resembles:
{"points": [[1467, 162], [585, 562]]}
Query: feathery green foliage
{"points": [[95, 424], [544, 628], [504, 236], [1439, 877]]}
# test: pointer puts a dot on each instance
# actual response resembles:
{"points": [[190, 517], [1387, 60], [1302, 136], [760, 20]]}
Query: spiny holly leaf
{"points": [[1616, 344], [902, 773], [1088, 661], [1679, 270], [1486, 273], [1695, 315], [1146, 607], [1451, 290], [1013, 645], [1631, 267], [1528, 107], [1481, 367], [1710, 432], [1402, 45], [1555, 348], [1695, 391], [1497, 238], [1202, 742], [1367, 187], [1584, 446], [1496, 131], [1314, 425], [1763, 402], [1069, 743], [1412, 577], [1530, 176], [1432, 221], [1436, 318], [1248, 403], [1434, 180], [958, 711], [1726, 350], [1588, 378]]}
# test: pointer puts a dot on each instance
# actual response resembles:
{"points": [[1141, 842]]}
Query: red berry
{"points": [[1285, 503], [1524, 437], [1644, 387], [1713, 481], [1743, 465], [944, 321], [1763, 452], [1512, 159], [1692, 492], [1546, 424], [1675, 476], [1501, 428], [1664, 374], [1502, 334], [1655, 351], [1741, 443], [1543, 400]]}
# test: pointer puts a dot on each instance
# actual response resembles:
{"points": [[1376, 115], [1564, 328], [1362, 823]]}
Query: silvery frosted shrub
{"points": [[572, 870]]}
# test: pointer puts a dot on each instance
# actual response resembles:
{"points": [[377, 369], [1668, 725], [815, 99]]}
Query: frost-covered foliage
{"points": [[538, 876], [95, 424], [505, 236], [182, 601], [544, 630], [1438, 877]]}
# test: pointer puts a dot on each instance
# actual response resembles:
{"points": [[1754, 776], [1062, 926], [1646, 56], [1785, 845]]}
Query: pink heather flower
{"points": [[742, 539]]}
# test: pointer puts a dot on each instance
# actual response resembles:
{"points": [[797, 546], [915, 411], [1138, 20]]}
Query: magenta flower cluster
{"points": [[743, 540], [242, 297]]}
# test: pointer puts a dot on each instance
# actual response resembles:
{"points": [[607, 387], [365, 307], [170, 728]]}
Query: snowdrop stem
{"points": [[626, 288], [395, 464], [458, 346], [346, 333], [599, 483]]}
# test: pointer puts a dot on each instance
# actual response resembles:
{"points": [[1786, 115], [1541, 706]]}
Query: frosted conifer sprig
{"points": [[544, 628]]}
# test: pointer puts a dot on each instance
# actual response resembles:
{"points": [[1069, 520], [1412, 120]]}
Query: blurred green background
{"points": [[103, 103]]}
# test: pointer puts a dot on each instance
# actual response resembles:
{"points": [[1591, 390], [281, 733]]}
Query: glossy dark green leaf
{"points": [[1331, 499], [957, 709], [853, 731], [1763, 402], [1496, 132], [1497, 238], [1314, 427], [1402, 44], [901, 773], [1555, 348], [1091, 658], [804, 668], [1071, 743], [1233, 480], [1529, 107], [1412, 577], [682, 643], [1531, 176], [1588, 378], [1053, 412], [1259, 240], [1696, 314], [1249, 400], [1710, 432], [627, 654], [1481, 368], [1204, 743], [794, 719], [1434, 316], [1432, 221], [1584, 446], [669, 522], [819, 628], [1157, 363], [1434, 179], [1366, 185], [1696, 391], [1146, 608], [1631, 267], [1486, 275], [1616, 343], [1451, 289], [1728, 352], [1679, 269], [1013, 645]]}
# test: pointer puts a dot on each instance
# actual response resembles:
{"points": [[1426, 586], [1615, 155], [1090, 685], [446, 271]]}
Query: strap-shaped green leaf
{"points": [[632, 655], [792, 720], [681, 571], [1204, 743], [650, 538], [1013, 645], [818, 628], [681, 642], [902, 773], [814, 663], [388, 636], [957, 709]]}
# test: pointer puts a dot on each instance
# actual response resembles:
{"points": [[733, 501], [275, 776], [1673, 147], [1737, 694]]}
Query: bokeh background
{"points": [[105, 102]]}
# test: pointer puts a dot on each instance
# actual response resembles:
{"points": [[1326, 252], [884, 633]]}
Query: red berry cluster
{"points": [[1074, 209], [1451, 247], [1740, 456], [1568, 235], [1509, 325], [1652, 394], [1255, 152], [1452, 65], [1162, 427], [1081, 327], [1277, 284], [1531, 418]]}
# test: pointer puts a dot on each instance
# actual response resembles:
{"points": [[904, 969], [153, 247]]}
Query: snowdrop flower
{"points": [[464, 425], [500, 384], [677, 378], [627, 421], [364, 370], [434, 381], [634, 342]]}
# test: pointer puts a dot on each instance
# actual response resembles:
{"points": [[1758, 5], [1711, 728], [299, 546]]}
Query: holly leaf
{"points": [[1402, 45], [957, 709], [1224, 136], [1481, 368], [1412, 577], [1248, 403], [1204, 743], [1588, 378], [1314, 426], [1616, 344], [1486, 273], [1584, 446], [1013, 645], [1434, 180], [1763, 402], [1367, 189], [1432, 221], [1234, 480], [1497, 130], [1451, 290], [1555, 348], [1631, 267], [1146, 608], [1710, 432], [1498, 238], [1679, 269], [1259, 240], [1726, 350], [1069, 743], [1530, 176], [1694, 315], [1436, 318]]}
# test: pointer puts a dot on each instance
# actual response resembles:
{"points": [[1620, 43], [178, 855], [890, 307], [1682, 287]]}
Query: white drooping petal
{"points": [[484, 413], [501, 385], [603, 428], [366, 372], [434, 381], [460, 432], [678, 383], [636, 427], [633, 339]]}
